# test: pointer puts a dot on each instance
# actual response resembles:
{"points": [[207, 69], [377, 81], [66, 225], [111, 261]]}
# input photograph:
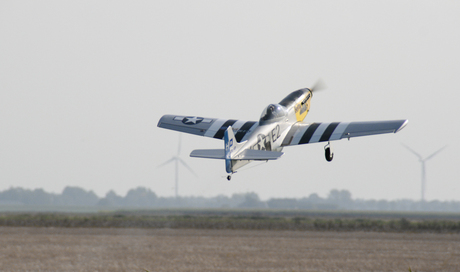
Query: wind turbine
{"points": [[421, 160], [176, 159]]}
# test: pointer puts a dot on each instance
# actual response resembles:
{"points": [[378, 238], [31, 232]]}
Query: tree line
{"points": [[142, 197]]}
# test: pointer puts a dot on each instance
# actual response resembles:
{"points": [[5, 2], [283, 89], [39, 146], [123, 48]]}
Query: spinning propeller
{"points": [[318, 86]]}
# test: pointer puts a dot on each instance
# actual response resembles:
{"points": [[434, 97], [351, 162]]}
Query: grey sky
{"points": [[84, 83]]}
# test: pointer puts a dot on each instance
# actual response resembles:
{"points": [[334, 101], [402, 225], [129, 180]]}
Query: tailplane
{"points": [[233, 155]]}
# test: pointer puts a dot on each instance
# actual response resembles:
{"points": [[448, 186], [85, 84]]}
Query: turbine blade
{"points": [[186, 166], [435, 153], [415, 153], [166, 162]]}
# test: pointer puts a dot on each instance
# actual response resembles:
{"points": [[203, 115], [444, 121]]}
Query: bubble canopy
{"points": [[272, 113]]}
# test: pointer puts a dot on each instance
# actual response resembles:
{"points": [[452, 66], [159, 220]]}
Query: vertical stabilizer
{"points": [[230, 148]]}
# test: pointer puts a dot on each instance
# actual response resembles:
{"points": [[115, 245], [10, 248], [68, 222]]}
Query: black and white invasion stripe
{"points": [[315, 132], [219, 127], [322, 132]]}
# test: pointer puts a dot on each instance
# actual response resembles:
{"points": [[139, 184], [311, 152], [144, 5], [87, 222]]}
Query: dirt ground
{"points": [[59, 249]]}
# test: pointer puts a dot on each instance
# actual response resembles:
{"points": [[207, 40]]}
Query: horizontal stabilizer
{"points": [[248, 154], [258, 155], [208, 153]]}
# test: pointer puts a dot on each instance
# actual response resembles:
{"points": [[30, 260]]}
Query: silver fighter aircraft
{"points": [[279, 125]]}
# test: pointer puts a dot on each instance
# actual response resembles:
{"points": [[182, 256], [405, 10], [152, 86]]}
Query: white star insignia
{"points": [[192, 120]]}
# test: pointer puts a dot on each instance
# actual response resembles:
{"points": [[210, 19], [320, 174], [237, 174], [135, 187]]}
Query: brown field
{"points": [[99, 249]]}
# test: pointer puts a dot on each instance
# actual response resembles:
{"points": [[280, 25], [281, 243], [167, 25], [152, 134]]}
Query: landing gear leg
{"points": [[328, 152]]}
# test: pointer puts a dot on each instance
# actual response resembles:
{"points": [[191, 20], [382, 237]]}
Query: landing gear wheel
{"points": [[229, 177], [328, 154]]}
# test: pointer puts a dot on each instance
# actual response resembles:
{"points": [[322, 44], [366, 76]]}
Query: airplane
{"points": [[280, 125]]}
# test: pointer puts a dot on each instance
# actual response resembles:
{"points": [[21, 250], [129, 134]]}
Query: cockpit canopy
{"points": [[273, 112]]}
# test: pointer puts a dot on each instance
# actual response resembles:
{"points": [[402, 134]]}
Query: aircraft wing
{"points": [[208, 127], [301, 133]]}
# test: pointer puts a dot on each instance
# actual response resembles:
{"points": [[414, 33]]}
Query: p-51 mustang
{"points": [[279, 125]]}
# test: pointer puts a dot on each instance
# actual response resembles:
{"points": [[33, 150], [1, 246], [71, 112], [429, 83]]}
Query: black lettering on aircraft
{"points": [[276, 133]]}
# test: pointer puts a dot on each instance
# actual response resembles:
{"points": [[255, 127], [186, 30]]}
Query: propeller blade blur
{"points": [[318, 86]]}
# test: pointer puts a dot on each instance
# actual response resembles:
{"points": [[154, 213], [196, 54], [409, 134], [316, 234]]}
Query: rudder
{"points": [[230, 148]]}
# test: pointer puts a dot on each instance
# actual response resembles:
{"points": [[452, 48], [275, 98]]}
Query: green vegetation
{"points": [[250, 220]]}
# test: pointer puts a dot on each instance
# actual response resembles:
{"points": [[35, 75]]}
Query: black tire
{"points": [[328, 154]]}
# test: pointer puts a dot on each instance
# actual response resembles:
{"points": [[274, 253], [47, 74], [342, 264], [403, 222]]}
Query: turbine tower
{"points": [[422, 161], [176, 159]]}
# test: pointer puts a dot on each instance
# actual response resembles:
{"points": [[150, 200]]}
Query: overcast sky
{"points": [[84, 83]]}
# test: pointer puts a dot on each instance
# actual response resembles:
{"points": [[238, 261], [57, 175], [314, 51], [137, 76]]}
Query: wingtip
{"points": [[160, 121], [404, 124]]}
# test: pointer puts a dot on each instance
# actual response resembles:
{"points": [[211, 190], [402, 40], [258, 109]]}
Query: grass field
{"points": [[244, 220], [132, 249], [229, 240]]}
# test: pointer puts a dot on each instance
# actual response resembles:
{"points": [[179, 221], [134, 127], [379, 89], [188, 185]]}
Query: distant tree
{"points": [[143, 197], [20, 196], [111, 199], [238, 198], [282, 203], [307, 205], [341, 198], [383, 205], [221, 201], [251, 200], [140, 197], [13, 196], [75, 196], [314, 198], [40, 197]]}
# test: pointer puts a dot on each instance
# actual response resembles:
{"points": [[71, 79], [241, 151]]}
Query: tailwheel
{"points": [[328, 152], [229, 177]]}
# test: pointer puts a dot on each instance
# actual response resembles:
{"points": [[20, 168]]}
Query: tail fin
{"points": [[231, 147]]}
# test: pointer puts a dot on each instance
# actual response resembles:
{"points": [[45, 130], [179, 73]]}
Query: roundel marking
{"points": [[192, 120]]}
